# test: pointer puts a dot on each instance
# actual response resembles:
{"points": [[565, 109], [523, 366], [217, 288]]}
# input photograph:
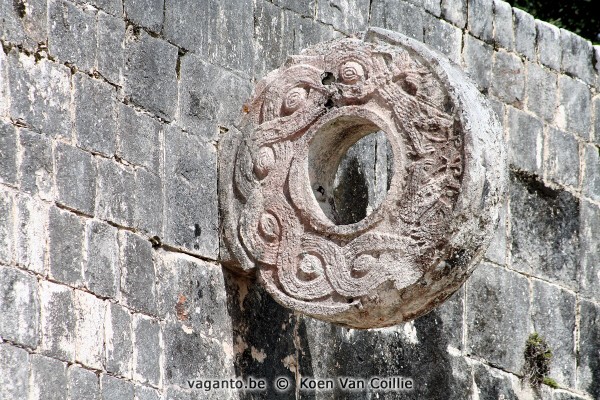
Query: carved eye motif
{"points": [[264, 162], [294, 100], [351, 72], [269, 227], [310, 266]]}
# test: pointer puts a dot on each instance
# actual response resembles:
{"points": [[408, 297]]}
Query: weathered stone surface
{"points": [[498, 316], [590, 251], [148, 213], [113, 7], [146, 393], [175, 394], [563, 395], [504, 34], [220, 32], [8, 153], [553, 316], [577, 56], [397, 15], [83, 384], [442, 36], [597, 116], [541, 91], [138, 275], [263, 228], [202, 105], [455, 11], [477, 60], [525, 143], [574, 109], [14, 372], [117, 389], [23, 23], [30, 246], [544, 230], [346, 16], [58, 321], [19, 307], [145, 13], [118, 342], [75, 178], [490, 383], [147, 353], [7, 222], [48, 379], [562, 162], [191, 210], [115, 193], [101, 269], [548, 44], [588, 376], [36, 170], [138, 138], [497, 250], [89, 329], [181, 349], [525, 33], [110, 52], [65, 244], [481, 19], [193, 292], [151, 73], [40, 93], [591, 172], [508, 78], [72, 33], [95, 127]]}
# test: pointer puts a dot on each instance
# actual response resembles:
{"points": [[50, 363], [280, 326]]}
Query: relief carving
{"points": [[277, 175]]}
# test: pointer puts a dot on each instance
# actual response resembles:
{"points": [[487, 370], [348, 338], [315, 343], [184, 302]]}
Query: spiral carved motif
{"points": [[277, 172]]}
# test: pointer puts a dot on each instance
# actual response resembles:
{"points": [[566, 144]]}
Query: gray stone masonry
{"points": [[72, 33], [102, 273], [118, 344], [508, 79], [524, 33], [8, 153], [111, 288], [151, 74], [548, 44], [39, 93], [481, 19], [574, 110], [541, 89], [525, 144], [75, 178], [562, 160], [57, 321], [14, 372], [145, 13], [455, 11], [400, 16], [65, 243], [95, 115], [48, 378], [504, 34], [498, 315], [20, 307], [83, 384], [137, 273]]}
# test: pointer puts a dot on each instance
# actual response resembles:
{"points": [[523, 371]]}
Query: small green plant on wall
{"points": [[538, 357]]}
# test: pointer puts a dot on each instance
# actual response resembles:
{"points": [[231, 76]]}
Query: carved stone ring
{"points": [[277, 178]]}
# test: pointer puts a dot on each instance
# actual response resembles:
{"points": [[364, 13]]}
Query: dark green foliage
{"points": [[579, 16], [538, 357]]}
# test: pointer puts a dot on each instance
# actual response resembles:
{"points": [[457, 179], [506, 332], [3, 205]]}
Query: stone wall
{"points": [[110, 285]]}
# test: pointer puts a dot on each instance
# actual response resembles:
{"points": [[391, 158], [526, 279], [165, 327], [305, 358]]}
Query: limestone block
{"points": [[277, 178]]}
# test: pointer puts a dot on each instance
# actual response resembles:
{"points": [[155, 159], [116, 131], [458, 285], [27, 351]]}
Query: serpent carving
{"points": [[277, 175]]}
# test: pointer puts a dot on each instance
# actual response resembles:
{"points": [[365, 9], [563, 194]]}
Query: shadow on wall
{"points": [[272, 341]]}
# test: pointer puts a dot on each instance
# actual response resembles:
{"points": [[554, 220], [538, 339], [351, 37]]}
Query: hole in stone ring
{"points": [[350, 168]]}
